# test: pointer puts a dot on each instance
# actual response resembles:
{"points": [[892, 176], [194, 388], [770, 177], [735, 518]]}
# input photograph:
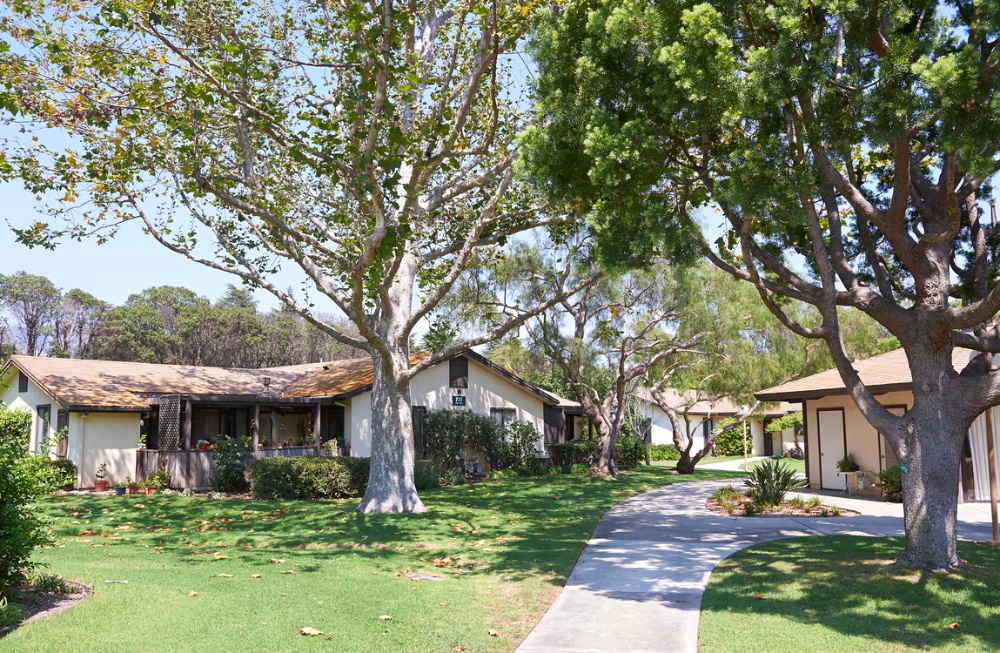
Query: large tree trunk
{"points": [[390, 482], [931, 456], [604, 462]]}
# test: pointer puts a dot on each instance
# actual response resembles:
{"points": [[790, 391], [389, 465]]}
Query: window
{"points": [[458, 372], [418, 429], [503, 416], [22, 382], [706, 427], [42, 425], [62, 422]]}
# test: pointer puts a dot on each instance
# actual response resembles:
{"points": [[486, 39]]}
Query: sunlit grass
{"points": [[843, 594], [503, 548]]}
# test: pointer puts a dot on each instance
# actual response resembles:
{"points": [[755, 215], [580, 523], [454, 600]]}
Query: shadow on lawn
{"points": [[850, 585], [516, 527]]}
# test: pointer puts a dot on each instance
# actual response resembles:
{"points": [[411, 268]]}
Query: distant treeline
{"points": [[166, 324]]}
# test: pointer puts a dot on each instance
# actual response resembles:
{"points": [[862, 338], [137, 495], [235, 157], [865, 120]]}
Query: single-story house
{"points": [[700, 416], [137, 417], [835, 426]]}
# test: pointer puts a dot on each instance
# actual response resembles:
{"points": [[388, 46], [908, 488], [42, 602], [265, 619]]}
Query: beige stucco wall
{"points": [[486, 390], [663, 432], [104, 438], [862, 438], [29, 400]]}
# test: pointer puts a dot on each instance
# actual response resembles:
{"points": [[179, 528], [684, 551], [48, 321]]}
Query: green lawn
{"points": [[797, 465], [842, 594], [504, 548]]}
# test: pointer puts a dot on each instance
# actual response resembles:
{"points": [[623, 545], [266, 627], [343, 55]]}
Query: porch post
{"points": [[992, 467], [188, 422], [316, 425], [255, 427]]}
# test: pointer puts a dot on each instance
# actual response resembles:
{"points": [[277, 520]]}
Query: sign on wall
{"points": [[458, 400]]}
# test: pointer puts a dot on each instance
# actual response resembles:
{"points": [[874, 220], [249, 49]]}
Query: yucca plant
{"points": [[769, 482]]}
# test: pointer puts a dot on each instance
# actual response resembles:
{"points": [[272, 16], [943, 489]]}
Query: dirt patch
{"points": [[38, 605], [738, 508]]}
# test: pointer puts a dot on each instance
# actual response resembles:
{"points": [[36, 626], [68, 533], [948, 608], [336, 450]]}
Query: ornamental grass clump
{"points": [[769, 482]]}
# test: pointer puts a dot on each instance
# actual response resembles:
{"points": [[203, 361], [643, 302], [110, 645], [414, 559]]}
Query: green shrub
{"points": [[359, 468], [796, 452], [730, 443], [769, 482], [522, 445], [580, 452], [448, 432], [750, 509], [24, 478], [629, 452], [425, 475], [891, 482], [664, 452], [10, 613], [451, 477], [306, 478], [63, 473], [728, 493], [232, 457]]}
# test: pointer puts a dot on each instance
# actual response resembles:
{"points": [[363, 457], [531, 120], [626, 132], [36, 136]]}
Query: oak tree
{"points": [[848, 147]]}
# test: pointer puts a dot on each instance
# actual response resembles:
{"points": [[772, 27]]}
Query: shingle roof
{"points": [[106, 385], [694, 403], [338, 378], [97, 384], [886, 372]]}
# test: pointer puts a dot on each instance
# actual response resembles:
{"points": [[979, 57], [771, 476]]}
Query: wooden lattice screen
{"points": [[170, 423]]}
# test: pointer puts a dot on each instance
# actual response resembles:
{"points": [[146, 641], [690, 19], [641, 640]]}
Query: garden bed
{"points": [[730, 501], [40, 602]]}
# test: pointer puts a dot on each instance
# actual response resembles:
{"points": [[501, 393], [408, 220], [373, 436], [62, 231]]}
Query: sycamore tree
{"points": [[602, 340], [741, 348], [368, 147], [848, 147]]}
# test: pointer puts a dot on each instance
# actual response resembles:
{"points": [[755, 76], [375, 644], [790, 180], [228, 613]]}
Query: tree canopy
{"points": [[848, 148], [368, 147]]}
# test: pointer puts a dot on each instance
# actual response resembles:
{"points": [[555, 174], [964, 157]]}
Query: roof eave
{"points": [[800, 395]]}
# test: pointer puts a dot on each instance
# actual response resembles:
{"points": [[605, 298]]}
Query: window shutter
{"points": [[458, 372], [22, 382]]}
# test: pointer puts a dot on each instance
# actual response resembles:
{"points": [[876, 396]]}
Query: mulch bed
{"points": [[787, 509], [38, 605]]}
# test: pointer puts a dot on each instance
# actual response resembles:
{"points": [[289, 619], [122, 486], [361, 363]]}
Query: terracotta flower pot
{"points": [[101, 485]]}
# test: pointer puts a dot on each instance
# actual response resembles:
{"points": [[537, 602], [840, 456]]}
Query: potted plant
{"points": [[120, 488], [847, 464], [203, 445], [157, 481], [133, 486], [101, 478]]}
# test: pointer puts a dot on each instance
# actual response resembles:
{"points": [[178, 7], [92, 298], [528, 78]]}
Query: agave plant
{"points": [[769, 482]]}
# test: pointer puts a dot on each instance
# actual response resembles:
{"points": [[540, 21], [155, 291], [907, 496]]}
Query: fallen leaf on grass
{"points": [[386, 617], [459, 649], [224, 575], [192, 593], [254, 575], [953, 625], [310, 631], [289, 571], [494, 633], [277, 561], [759, 597]]}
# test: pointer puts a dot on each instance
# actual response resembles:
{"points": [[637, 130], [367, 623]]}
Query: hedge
{"points": [[629, 452], [322, 478], [664, 452]]}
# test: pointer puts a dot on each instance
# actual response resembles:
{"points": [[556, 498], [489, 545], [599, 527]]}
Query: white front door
{"points": [[831, 447]]}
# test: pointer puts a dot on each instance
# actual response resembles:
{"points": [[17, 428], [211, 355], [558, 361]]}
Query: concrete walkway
{"points": [[638, 584], [731, 465]]}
